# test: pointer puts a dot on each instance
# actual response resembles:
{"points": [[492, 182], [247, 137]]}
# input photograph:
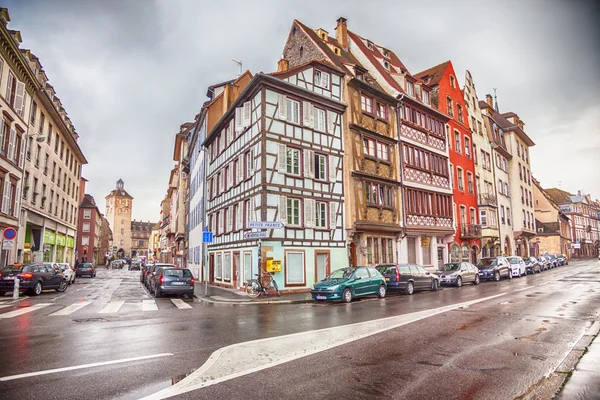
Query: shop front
{"points": [[61, 244], [70, 247], [49, 245]]}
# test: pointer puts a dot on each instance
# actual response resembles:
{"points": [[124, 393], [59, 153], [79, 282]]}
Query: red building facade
{"points": [[88, 230], [449, 99]]}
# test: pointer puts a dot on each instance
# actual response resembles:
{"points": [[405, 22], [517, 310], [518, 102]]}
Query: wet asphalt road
{"points": [[496, 349]]}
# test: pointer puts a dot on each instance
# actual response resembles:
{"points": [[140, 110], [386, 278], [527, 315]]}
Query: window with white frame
{"points": [[293, 212], [292, 161], [460, 177], [467, 147], [293, 111], [322, 79], [227, 266], [86, 227], [87, 214], [410, 89], [85, 240], [320, 167], [470, 182], [366, 103], [294, 268], [426, 98], [457, 144], [320, 214], [218, 266], [319, 117], [382, 111], [483, 217]]}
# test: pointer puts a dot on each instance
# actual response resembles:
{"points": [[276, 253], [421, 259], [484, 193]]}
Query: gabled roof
{"points": [[433, 75], [87, 202], [559, 196], [119, 193]]}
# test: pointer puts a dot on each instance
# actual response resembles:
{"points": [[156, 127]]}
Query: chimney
{"points": [[283, 65], [341, 32], [579, 193], [489, 100]]}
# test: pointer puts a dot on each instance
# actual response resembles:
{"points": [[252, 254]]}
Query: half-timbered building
{"points": [[371, 175], [276, 155]]}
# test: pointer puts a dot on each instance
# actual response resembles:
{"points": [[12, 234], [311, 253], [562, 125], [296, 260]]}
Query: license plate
{"points": [[9, 278], [321, 297], [177, 283], [387, 279]]}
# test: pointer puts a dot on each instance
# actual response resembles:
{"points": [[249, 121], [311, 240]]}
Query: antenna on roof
{"points": [[496, 101], [238, 63], [560, 184]]}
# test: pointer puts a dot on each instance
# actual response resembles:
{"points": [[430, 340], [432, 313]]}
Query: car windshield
{"points": [[62, 267], [450, 267], [386, 269], [85, 266], [513, 260], [486, 263], [177, 273], [343, 273]]}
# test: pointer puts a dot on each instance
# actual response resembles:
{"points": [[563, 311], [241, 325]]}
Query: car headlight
{"points": [[336, 287]]}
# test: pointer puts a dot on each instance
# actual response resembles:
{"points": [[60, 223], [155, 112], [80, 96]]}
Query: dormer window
{"points": [[386, 53], [370, 45], [386, 65], [426, 98], [410, 89], [321, 79]]}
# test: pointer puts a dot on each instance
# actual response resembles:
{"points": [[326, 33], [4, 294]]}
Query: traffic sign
{"points": [[9, 233], [8, 245], [255, 235], [207, 237], [265, 225]]}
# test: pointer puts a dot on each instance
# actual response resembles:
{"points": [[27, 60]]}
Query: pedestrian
{"points": [[77, 263]]}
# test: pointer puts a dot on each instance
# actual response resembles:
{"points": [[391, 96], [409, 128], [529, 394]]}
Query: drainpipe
{"points": [[400, 155]]}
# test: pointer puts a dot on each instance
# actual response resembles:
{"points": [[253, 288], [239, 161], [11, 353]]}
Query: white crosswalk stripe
{"points": [[112, 307], [182, 305], [149, 305], [24, 310], [72, 308], [4, 305]]}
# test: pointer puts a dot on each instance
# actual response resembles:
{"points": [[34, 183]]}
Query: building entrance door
{"points": [[236, 266]]}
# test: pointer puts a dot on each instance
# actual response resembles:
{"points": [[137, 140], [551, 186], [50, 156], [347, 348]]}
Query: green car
{"points": [[346, 283]]}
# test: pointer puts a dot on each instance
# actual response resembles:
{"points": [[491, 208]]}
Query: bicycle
{"points": [[255, 288]]}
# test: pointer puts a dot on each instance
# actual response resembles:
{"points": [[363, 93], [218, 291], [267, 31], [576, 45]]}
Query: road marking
{"points": [[248, 357], [4, 305], [24, 310], [72, 308], [149, 305], [98, 364], [59, 297], [182, 305], [525, 288], [577, 286], [112, 307]]}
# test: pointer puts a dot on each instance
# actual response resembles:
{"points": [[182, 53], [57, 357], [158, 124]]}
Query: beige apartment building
{"points": [[553, 229]]}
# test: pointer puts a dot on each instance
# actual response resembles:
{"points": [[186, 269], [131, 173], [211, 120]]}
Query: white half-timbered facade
{"points": [[276, 155]]}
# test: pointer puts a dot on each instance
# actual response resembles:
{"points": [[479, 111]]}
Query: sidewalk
{"points": [[585, 382], [221, 295]]}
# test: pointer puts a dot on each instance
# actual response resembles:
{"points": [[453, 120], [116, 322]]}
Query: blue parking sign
{"points": [[207, 237]]}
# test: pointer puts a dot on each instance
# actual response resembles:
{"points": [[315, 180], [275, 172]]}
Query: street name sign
{"points": [[255, 235], [8, 245], [265, 225]]}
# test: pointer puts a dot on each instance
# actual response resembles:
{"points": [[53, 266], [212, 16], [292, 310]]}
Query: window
{"points": [[376, 149], [449, 106], [369, 250], [520, 172], [320, 166], [383, 151], [470, 182], [459, 176], [502, 215], [379, 195], [483, 217], [459, 113], [294, 268], [508, 215], [292, 161], [382, 111], [457, 144], [85, 240], [293, 111], [86, 227], [475, 160], [472, 216], [320, 214], [87, 214], [293, 212], [467, 147], [463, 215], [410, 89], [319, 117], [366, 103], [452, 82], [321, 79], [426, 98]]}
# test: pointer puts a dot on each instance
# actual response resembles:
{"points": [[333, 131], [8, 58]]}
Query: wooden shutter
{"points": [[11, 144], [20, 98], [282, 107], [251, 168], [331, 122], [309, 164], [22, 155], [5, 195], [239, 123], [309, 213], [229, 220], [16, 209], [240, 169], [307, 114], [332, 215], [332, 168], [281, 158], [238, 217], [283, 208], [230, 178], [247, 113], [9, 86]]}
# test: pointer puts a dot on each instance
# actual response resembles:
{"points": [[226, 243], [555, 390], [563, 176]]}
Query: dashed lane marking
{"points": [[72, 308], [149, 305], [25, 310], [112, 307], [182, 305]]}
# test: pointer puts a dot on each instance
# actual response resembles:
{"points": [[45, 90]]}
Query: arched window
{"points": [[122, 222], [484, 251], [465, 253], [454, 253]]}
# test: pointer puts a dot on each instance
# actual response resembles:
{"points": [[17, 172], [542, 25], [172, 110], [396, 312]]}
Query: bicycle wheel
{"points": [[253, 288], [276, 288]]}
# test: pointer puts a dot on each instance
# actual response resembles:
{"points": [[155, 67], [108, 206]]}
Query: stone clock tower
{"points": [[119, 205]]}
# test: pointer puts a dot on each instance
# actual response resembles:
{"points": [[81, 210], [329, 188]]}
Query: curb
{"points": [[260, 302]]}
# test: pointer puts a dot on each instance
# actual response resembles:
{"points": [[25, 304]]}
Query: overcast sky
{"points": [[130, 72]]}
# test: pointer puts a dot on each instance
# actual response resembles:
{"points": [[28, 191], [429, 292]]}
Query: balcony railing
{"points": [[485, 199], [469, 231]]}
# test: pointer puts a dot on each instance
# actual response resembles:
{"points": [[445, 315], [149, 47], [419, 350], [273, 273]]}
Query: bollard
{"points": [[16, 289]]}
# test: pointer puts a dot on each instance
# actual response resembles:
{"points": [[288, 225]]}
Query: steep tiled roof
{"points": [[119, 193], [433, 75], [559, 196], [87, 202]]}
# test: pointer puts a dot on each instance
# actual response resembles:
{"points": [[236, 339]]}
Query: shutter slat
{"points": [[247, 113], [281, 158], [238, 120], [282, 208], [307, 116], [309, 213], [332, 215], [332, 168], [282, 107], [331, 122]]}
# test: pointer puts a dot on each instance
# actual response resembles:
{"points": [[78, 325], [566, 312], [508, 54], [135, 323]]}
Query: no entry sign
{"points": [[9, 233]]}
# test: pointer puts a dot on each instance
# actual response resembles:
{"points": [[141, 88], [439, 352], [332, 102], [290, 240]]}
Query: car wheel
{"points": [[476, 280], [347, 295], [434, 285], [382, 291], [63, 286], [37, 289], [510, 274], [410, 288], [459, 281], [496, 276]]}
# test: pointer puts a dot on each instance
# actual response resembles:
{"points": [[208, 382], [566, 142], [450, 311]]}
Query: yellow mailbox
{"points": [[274, 265]]}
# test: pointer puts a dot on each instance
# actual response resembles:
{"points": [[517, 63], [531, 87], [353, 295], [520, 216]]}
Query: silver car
{"points": [[517, 266], [68, 272], [458, 273]]}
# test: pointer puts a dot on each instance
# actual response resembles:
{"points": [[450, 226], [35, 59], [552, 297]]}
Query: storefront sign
{"points": [[70, 241], [49, 237], [425, 241], [61, 240]]}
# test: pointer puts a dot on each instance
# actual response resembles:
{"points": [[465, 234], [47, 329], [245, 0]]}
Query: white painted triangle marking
{"points": [[24, 310], [112, 307], [182, 305], [149, 305], [71, 309]]}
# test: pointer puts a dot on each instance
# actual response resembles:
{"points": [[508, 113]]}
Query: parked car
{"points": [[144, 273], [152, 271], [544, 263], [560, 259], [565, 259], [532, 265], [68, 272], [33, 279], [347, 283], [555, 260], [172, 280], [117, 264], [85, 269], [135, 265], [551, 261], [458, 273], [517, 266], [408, 277], [494, 268]]}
